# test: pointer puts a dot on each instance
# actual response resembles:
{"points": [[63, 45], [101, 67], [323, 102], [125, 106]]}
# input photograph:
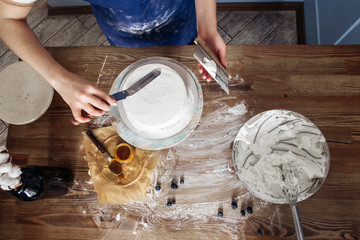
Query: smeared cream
{"points": [[239, 109], [280, 150], [210, 66], [156, 110]]}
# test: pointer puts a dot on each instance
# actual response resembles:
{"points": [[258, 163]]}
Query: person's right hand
{"points": [[218, 46], [84, 99]]}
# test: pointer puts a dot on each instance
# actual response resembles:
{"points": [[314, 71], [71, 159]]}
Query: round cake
{"points": [[160, 109]]}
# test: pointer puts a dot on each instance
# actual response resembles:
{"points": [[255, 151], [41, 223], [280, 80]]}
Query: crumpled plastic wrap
{"points": [[137, 173]]}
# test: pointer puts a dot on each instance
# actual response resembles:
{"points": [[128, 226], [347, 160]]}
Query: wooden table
{"points": [[320, 82]]}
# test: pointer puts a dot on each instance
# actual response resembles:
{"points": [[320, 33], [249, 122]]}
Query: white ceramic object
{"points": [[24, 94]]}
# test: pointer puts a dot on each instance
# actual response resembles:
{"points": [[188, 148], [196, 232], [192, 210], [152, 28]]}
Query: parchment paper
{"points": [[138, 172]]}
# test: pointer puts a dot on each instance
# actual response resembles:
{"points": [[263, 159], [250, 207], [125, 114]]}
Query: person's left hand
{"points": [[218, 46]]}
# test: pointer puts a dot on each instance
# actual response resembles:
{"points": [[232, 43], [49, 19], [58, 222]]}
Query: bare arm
{"points": [[78, 93], [207, 29]]}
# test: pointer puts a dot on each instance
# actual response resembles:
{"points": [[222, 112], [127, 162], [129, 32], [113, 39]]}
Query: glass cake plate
{"points": [[177, 132]]}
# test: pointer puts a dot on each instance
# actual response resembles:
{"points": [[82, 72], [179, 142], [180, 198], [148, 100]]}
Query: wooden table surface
{"points": [[319, 82]]}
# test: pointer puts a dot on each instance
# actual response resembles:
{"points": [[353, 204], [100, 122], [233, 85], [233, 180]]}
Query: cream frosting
{"points": [[280, 151], [210, 66], [159, 106]]}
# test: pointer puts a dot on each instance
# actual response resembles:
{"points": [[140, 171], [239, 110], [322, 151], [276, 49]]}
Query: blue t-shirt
{"points": [[144, 23]]}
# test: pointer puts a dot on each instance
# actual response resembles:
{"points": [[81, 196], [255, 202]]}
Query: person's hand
{"points": [[218, 46], [84, 99]]}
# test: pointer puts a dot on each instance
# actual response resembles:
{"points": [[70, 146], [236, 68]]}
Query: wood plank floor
{"points": [[236, 27]]}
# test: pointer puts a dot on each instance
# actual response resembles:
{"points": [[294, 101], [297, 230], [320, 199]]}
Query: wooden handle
{"points": [[95, 141]]}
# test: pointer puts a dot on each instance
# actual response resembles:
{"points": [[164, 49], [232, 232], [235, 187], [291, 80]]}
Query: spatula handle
{"points": [[297, 222], [95, 141]]}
